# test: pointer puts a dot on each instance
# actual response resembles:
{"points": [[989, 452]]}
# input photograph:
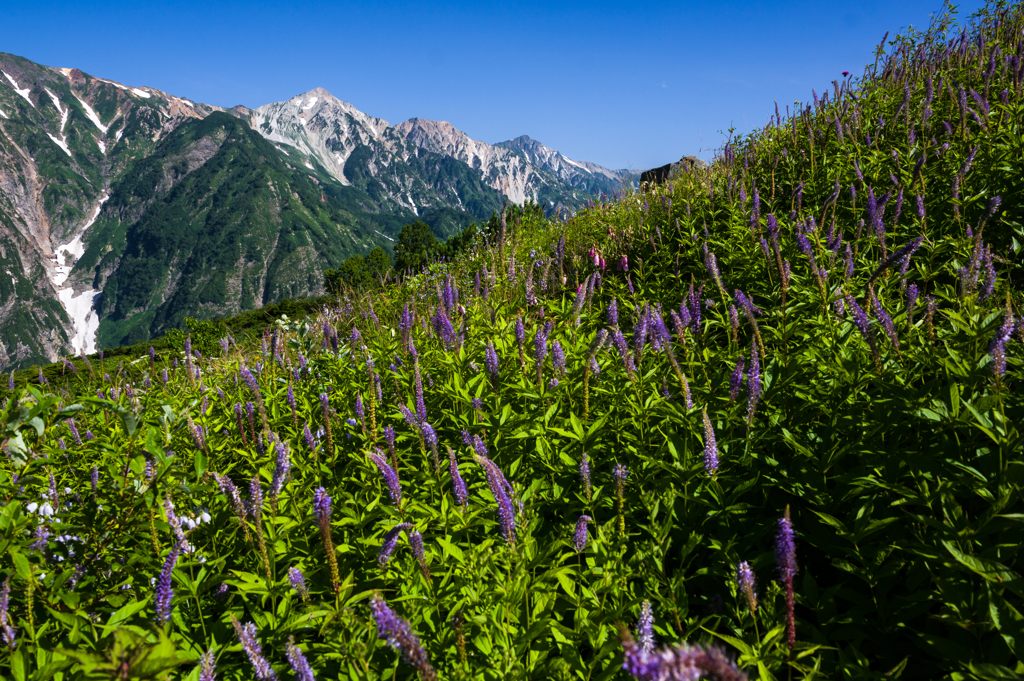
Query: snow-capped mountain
{"points": [[109, 232]]}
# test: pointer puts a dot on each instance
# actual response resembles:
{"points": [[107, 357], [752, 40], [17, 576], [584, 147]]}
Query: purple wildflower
{"points": [[298, 582], [164, 591], [360, 413], [399, 636], [747, 585], [579, 537], [627, 358], [997, 349], [585, 475], [753, 382], [645, 627], [416, 544], [207, 665], [620, 474], [710, 447], [989, 287], [540, 351], [234, 497], [860, 319], [458, 484], [389, 542], [558, 357], [322, 508], [250, 641], [682, 661], [421, 407], [250, 381], [785, 557], [303, 672], [613, 313], [736, 380], [501, 490], [282, 468], [885, 320], [491, 362], [7, 628], [389, 476], [912, 294]]}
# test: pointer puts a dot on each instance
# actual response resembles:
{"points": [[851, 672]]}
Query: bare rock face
{"points": [[65, 136], [671, 171]]}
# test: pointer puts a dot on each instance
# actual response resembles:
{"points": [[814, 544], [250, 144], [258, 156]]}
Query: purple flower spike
{"points": [[785, 557], [619, 475], [421, 408], [579, 537], [399, 636], [736, 380], [322, 507], [458, 484], [164, 592], [389, 542], [997, 349], [208, 665], [282, 468], [710, 447], [491, 362], [502, 492], [389, 477], [250, 380], [645, 627], [250, 641], [885, 320], [558, 357], [416, 544], [298, 582], [747, 586], [303, 672], [585, 474], [753, 382], [683, 661]]}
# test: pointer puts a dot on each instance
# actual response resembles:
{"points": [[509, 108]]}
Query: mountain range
{"points": [[124, 210]]}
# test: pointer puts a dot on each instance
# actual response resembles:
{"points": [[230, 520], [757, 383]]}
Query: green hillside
{"points": [[762, 421]]}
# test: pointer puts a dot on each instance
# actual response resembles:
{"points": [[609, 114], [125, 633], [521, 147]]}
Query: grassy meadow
{"points": [[761, 421]]}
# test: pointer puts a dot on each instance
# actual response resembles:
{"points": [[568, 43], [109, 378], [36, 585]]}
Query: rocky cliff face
{"points": [[589, 177], [124, 209], [64, 137]]}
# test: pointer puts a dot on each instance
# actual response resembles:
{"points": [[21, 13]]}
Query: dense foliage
{"points": [[771, 409]]}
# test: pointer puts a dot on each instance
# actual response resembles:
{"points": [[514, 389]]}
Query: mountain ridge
{"points": [[71, 143]]}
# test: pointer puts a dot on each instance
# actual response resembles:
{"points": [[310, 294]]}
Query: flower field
{"points": [[761, 421]]}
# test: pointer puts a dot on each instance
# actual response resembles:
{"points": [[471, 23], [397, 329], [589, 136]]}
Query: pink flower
{"points": [[624, 264]]}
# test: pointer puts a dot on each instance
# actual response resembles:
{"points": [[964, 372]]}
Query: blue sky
{"points": [[623, 84]]}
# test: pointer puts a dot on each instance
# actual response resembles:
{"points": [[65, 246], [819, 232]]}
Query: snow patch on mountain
{"points": [[2, 114], [85, 320], [141, 93], [92, 115], [23, 92], [62, 143], [60, 108]]}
